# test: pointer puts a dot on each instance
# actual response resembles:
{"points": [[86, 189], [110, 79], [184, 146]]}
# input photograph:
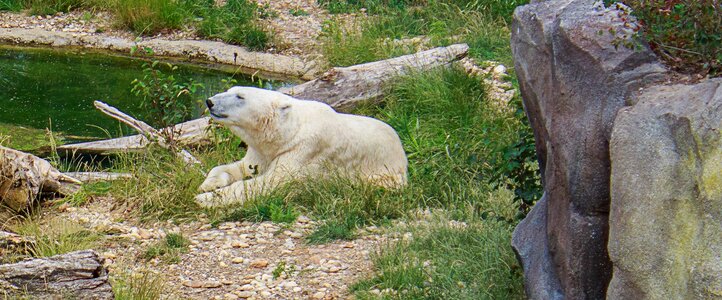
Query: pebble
{"points": [[244, 294], [230, 296], [259, 263], [212, 284], [239, 244], [246, 287], [319, 295], [193, 284], [237, 260]]}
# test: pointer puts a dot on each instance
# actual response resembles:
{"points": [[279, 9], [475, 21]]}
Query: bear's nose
{"points": [[209, 103]]}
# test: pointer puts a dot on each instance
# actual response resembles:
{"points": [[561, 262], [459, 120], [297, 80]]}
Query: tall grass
{"points": [[141, 285], [55, 236], [444, 261], [148, 17], [481, 24]]}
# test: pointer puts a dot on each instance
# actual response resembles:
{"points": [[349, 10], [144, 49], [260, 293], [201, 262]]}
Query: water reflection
{"points": [[40, 87]]}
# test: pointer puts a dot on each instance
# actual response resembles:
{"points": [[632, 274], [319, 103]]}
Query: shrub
{"points": [[687, 34], [167, 100]]}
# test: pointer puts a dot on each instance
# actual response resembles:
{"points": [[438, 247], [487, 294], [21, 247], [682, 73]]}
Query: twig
{"points": [[144, 128]]}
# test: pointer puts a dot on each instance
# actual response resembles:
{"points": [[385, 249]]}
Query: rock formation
{"points": [[666, 219], [573, 82]]}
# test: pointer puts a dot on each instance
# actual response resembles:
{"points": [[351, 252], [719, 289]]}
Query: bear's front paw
{"points": [[206, 199], [215, 182]]}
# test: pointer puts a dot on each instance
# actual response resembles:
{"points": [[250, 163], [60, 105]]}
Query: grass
{"points": [[141, 285], [481, 24], [168, 249], [26, 139], [455, 143], [55, 236], [148, 17], [443, 261], [235, 22]]}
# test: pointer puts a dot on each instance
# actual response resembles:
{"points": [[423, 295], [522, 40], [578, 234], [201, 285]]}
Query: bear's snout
{"points": [[209, 103]]}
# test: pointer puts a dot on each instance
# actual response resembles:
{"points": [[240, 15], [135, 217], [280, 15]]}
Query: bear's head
{"points": [[252, 113]]}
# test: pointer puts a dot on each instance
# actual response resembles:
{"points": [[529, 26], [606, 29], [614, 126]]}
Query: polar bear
{"points": [[289, 139]]}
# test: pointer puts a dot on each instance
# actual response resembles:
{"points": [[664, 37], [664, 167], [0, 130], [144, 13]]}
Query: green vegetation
{"points": [[234, 22], [168, 100], [168, 249], [447, 262], [137, 286], [481, 24], [54, 236], [687, 34], [23, 138]]}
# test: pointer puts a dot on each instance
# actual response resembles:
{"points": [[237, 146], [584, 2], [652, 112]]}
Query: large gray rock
{"points": [[573, 81], [666, 218]]}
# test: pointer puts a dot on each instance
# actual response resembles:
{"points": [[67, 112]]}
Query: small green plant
{"points": [[168, 249], [298, 12], [283, 269], [168, 100], [87, 193], [142, 285], [332, 230]]}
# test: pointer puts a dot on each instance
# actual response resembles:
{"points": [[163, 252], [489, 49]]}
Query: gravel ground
{"points": [[235, 260]]}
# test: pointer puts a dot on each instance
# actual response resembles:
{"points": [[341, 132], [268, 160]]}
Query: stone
{"points": [[237, 260], [572, 81], [319, 295], [259, 263], [244, 294], [665, 239], [193, 284], [212, 284]]}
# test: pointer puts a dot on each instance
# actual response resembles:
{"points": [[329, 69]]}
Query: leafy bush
{"points": [[687, 34], [168, 100]]}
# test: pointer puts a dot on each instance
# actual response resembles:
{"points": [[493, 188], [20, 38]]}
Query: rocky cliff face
{"points": [[666, 188], [573, 82]]}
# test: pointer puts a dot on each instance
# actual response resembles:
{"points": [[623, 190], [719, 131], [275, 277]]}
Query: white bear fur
{"points": [[289, 138]]}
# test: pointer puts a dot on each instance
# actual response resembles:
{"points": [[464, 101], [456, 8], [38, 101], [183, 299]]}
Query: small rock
{"points": [[303, 219], [246, 287], [193, 284], [239, 244], [229, 296], [244, 294], [319, 295], [212, 284], [348, 245], [237, 260], [259, 263]]}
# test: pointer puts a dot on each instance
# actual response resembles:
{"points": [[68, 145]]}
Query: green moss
{"points": [[23, 138], [711, 176]]}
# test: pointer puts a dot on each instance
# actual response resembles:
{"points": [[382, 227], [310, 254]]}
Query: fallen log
{"points": [[87, 177], [344, 87], [146, 129], [75, 275], [24, 177], [338, 87], [193, 132]]}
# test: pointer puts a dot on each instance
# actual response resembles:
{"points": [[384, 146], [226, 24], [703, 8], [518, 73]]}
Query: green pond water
{"points": [[49, 88]]}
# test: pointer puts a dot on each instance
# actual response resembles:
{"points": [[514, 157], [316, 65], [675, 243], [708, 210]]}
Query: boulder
{"points": [[665, 238], [573, 80]]}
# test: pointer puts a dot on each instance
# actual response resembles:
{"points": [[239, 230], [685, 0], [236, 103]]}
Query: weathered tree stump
{"points": [[24, 177], [75, 275]]}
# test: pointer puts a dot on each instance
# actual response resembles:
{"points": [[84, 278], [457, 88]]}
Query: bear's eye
{"points": [[239, 97]]}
